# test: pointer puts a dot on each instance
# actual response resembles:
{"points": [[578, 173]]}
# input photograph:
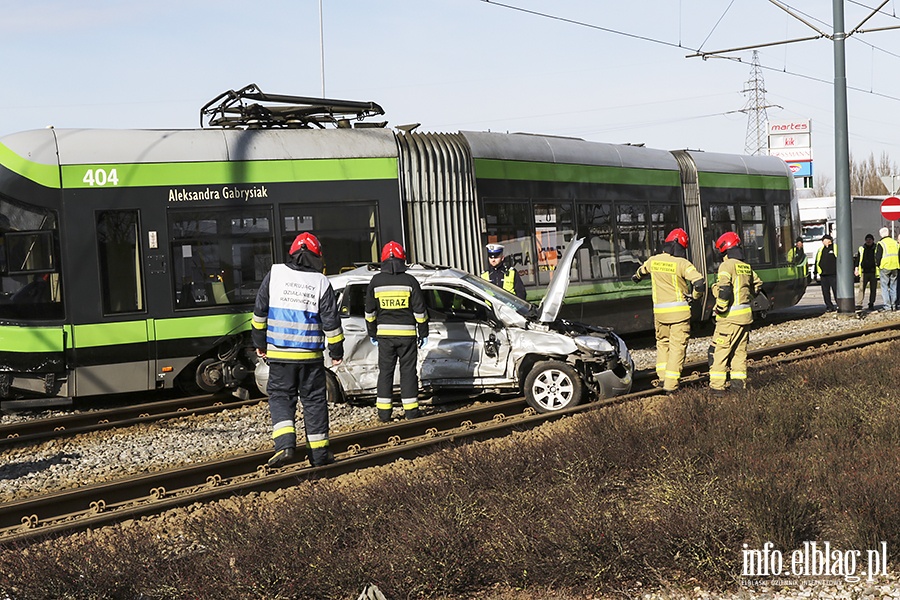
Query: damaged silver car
{"points": [[483, 339]]}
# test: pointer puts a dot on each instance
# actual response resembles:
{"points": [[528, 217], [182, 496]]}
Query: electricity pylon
{"points": [[757, 141]]}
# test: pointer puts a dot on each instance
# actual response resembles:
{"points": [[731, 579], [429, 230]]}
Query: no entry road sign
{"points": [[890, 208]]}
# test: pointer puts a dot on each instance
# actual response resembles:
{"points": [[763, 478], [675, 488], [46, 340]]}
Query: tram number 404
{"points": [[101, 177]]}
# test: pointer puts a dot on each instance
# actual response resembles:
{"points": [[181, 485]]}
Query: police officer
{"points": [[675, 282], [397, 321], [295, 314], [501, 275], [886, 257], [736, 285]]}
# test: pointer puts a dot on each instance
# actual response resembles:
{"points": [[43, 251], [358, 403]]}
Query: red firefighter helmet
{"points": [[727, 240], [392, 250], [678, 235], [306, 241]]}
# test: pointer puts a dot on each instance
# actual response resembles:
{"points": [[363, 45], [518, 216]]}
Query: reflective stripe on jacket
{"points": [[395, 306], [744, 284], [673, 280]]}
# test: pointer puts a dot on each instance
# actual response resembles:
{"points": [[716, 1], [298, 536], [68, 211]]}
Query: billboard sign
{"points": [[791, 155], [801, 169]]}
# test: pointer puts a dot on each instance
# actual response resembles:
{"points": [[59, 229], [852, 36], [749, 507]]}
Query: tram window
{"points": [[29, 252], [597, 256], [633, 243], [30, 285], [554, 228], [346, 230], [749, 222], [663, 219], [219, 257], [755, 234], [509, 223], [121, 285]]}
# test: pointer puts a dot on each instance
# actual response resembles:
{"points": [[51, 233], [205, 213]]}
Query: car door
{"points": [[446, 360], [466, 344]]}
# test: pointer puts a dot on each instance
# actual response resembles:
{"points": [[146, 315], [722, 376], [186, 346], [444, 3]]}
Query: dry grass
{"points": [[604, 504]]}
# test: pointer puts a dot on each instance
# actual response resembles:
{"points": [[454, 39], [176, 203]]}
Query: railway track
{"points": [[33, 430], [136, 497]]}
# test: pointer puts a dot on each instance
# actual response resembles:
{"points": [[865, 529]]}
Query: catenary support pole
{"points": [[845, 296]]}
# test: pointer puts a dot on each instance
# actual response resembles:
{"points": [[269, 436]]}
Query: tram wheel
{"points": [[209, 377]]}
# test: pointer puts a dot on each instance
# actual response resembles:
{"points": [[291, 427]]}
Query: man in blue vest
{"points": [[295, 314], [502, 275]]}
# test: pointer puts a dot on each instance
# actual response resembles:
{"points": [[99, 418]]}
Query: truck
{"points": [[818, 216]]}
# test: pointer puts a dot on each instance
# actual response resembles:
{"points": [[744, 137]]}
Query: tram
{"points": [[130, 259]]}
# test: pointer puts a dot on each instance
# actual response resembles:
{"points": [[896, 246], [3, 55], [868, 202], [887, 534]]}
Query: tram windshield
{"points": [[30, 285]]}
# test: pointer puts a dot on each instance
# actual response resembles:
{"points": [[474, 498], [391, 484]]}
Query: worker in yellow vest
{"points": [[502, 275], [675, 282], [888, 262], [736, 285]]}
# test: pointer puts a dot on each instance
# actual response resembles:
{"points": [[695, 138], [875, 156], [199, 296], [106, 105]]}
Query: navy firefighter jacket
{"points": [[395, 306]]}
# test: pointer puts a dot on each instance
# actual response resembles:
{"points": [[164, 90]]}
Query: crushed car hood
{"points": [[559, 284]]}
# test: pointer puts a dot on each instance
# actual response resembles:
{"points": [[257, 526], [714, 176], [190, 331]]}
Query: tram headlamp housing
{"points": [[594, 345]]}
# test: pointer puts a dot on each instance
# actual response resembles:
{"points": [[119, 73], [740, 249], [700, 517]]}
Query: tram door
{"points": [[115, 354]]}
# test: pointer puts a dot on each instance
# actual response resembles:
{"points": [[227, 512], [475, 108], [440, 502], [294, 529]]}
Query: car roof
{"points": [[422, 272]]}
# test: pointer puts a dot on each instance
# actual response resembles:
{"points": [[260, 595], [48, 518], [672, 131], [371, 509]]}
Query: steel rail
{"points": [[111, 502], [98, 420]]}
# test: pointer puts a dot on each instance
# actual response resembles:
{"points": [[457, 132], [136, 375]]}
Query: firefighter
{"points": [[675, 283], [295, 314], [397, 322], [502, 275], [736, 285]]}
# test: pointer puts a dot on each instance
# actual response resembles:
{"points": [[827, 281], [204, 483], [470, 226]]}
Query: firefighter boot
{"points": [[281, 458], [319, 457]]}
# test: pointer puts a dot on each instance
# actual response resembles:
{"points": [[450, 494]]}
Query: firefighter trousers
{"points": [[392, 350], [671, 347], [729, 351], [289, 381]]}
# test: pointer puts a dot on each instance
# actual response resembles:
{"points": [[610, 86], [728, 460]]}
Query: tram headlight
{"points": [[594, 345]]}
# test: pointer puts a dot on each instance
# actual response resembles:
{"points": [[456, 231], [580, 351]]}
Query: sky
{"points": [[600, 70]]}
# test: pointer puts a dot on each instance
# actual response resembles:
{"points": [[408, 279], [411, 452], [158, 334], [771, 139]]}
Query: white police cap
{"points": [[494, 249]]}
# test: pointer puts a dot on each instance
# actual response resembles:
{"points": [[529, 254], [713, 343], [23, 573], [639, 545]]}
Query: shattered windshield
{"points": [[495, 294]]}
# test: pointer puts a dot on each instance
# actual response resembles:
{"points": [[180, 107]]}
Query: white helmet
{"points": [[261, 374]]}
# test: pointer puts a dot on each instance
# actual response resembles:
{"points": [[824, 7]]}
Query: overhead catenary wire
{"points": [[699, 53]]}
